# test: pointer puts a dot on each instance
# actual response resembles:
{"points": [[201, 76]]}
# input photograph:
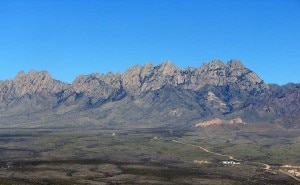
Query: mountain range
{"points": [[148, 96]]}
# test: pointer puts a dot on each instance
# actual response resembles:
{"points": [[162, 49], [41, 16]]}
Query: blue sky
{"points": [[72, 37]]}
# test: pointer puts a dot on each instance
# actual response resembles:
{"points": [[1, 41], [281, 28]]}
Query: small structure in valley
{"points": [[230, 162]]}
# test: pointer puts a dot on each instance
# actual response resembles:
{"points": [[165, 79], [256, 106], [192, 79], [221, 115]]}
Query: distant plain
{"points": [[97, 155]]}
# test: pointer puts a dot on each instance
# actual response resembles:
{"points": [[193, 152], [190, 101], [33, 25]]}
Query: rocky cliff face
{"points": [[140, 79], [99, 88], [214, 89], [33, 83]]}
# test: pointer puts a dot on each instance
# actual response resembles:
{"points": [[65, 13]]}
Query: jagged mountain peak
{"points": [[35, 82], [39, 76], [213, 89], [214, 64], [235, 64], [43, 75], [140, 79], [218, 64]]}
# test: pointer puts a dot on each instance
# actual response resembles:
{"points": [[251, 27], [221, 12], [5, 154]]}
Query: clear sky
{"points": [[72, 37]]}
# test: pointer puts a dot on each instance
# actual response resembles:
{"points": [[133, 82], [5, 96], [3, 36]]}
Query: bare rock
{"points": [[98, 87], [132, 80], [218, 121], [37, 82], [139, 79], [33, 83]]}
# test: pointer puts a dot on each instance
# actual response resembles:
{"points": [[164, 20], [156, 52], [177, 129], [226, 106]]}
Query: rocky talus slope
{"points": [[149, 94]]}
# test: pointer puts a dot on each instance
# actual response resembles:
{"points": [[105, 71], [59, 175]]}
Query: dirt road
{"points": [[266, 166], [208, 151]]}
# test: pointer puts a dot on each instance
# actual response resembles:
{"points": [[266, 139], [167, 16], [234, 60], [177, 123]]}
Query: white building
{"points": [[230, 162]]}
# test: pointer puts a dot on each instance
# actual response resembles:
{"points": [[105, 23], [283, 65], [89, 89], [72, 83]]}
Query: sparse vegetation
{"points": [[133, 156]]}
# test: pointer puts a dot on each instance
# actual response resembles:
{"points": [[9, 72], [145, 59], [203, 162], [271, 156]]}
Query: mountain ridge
{"points": [[214, 89]]}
